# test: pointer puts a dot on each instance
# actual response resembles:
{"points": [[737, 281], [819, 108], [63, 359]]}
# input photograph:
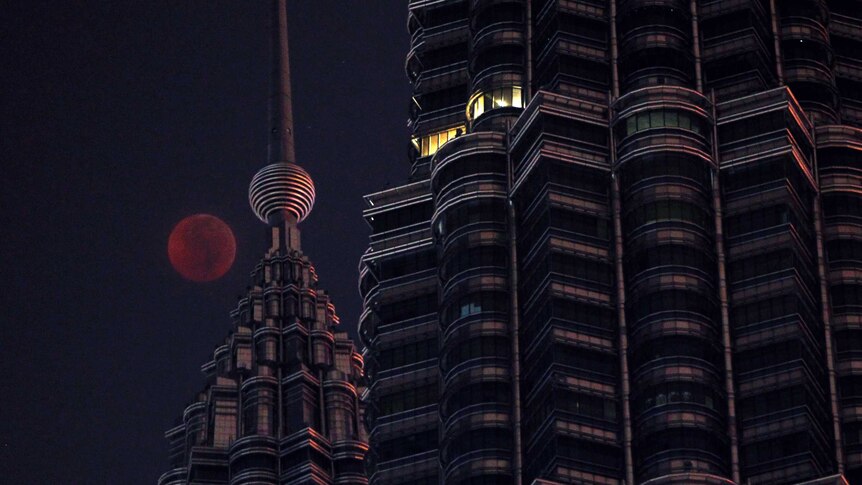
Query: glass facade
{"points": [[639, 262]]}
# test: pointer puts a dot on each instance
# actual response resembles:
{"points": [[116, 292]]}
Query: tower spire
{"points": [[281, 148], [281, 191]]}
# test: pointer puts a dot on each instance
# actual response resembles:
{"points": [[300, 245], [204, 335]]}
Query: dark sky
{"points": [[119, 118]]}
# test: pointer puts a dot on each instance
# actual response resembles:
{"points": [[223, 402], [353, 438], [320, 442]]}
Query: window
{"points": [[842, 204], [475, 303], [404, 354], [511, 12], [646, 120], [844, 250], [411, 444], [575, 130], [761, 219], [340, 419], [258, 413], [769, 309], [416, 397], [243, 357], [760, 265], [851, 388], [840, 157], [301, 409], [224, 426], [751, 126], [474, 211], [666, 164], [585, 405], [586, 317], [442, 99], [462, 258], [557, 219], [444, 56], [428, 145], [499, 57], [570, 266], [590, 455], [478, 439], [655, 66], [394, 311], [846, 295], [853, 433], [655, 17], [486, 165], [670, 255], [474, 348], [776, 400], [435, 16], [773, 355], [685, 441], [685, 392], [478, 393], [401, 217], [404, 264], [577, 361], [673, 346], [497, 98], [589, 452], [666, 210], [676, 300], [753, 176], [776, 448]]}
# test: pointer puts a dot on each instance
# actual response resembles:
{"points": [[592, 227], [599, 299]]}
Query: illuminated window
{"points": [[429, 144], [497, 98]]}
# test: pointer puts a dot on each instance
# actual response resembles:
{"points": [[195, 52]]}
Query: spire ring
{"points": [[281, 187]]}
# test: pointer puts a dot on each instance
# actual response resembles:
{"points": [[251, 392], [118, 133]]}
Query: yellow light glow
{"points": [[497, 98], [429, 144]]}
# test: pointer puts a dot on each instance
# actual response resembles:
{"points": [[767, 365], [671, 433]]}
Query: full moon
{"points": [[201, 248]]}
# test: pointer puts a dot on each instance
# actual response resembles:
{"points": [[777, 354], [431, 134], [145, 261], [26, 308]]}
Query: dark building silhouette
{"points": [[629, 249], [281, 402]]}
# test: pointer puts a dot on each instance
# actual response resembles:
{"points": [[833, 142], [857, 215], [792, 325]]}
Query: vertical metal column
{"points": [[514, 317], [622, 338], [695, 42], [279, 374], [727, 343], [623, 342], [528, 89], [776, 42], [827, 318], [615, 71]]}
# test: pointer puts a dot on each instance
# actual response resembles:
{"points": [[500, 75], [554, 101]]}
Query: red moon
{"points": [[201, 248]]}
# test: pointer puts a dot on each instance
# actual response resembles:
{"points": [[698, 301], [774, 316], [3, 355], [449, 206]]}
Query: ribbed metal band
{"points": [[281, 187]]}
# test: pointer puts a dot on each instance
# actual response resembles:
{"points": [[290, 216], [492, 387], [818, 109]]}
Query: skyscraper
{"points": [[280, 404], [626, 248]]}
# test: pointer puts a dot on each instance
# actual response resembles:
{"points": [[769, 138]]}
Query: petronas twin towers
{"points": [[625, 253]]}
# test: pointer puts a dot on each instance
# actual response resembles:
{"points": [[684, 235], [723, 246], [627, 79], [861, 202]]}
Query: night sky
{"points": [[118, 119]]}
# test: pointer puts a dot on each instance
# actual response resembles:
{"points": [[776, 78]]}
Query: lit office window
{"points": [[429, 144], [497, 98]]}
